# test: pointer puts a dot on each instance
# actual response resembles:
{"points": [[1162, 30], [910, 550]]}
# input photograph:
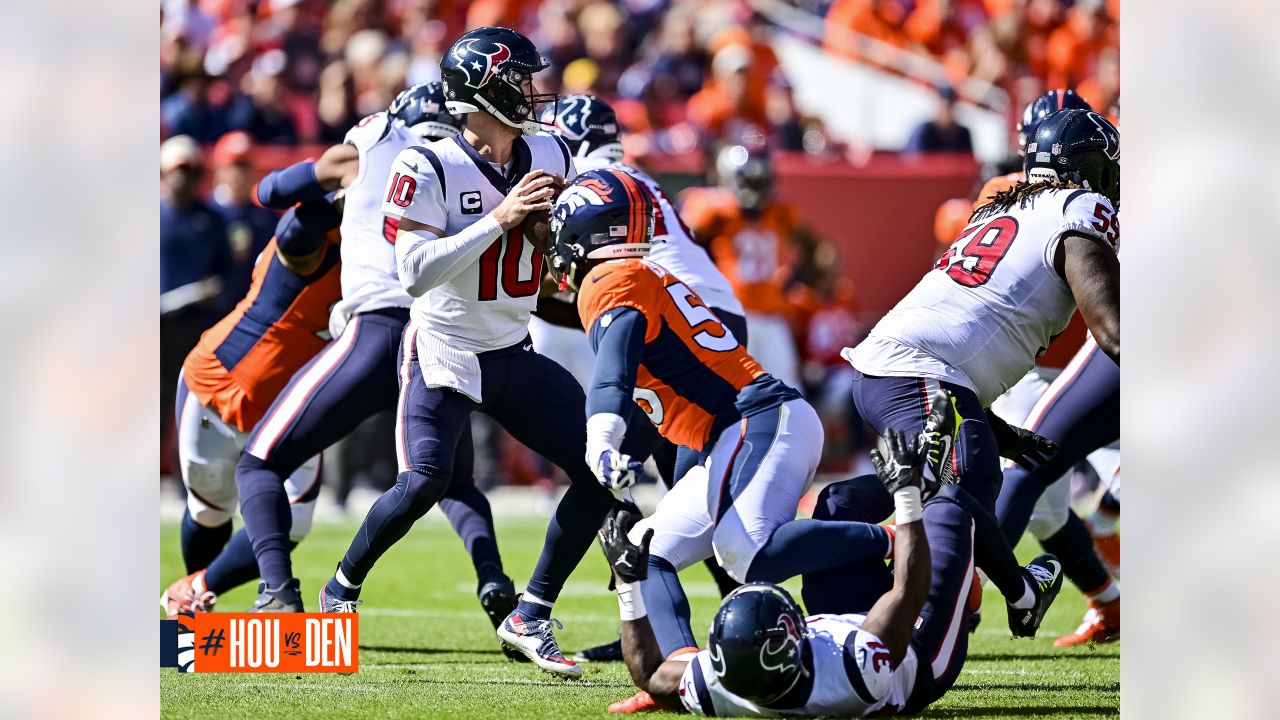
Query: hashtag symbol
{"points": [[212, 642]]}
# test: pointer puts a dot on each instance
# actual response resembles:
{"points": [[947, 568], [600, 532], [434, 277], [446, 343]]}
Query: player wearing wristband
{"points": [[764, 658]]}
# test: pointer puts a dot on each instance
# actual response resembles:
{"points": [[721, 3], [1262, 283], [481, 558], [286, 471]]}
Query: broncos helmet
{"points": [[588, 125], [1076, 145], [1045, 105], [748, 174], [757, 643], [422, 109], [486, 70], [602, 215]]}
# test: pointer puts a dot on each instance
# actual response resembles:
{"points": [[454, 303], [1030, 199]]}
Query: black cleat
{"points": [[608, 652], [498, 599], [975, 619], [938, 442], [1045, 575], [286, 598]]}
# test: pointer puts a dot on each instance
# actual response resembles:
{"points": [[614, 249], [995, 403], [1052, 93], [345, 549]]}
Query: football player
{"points": [[227, 382], [976, 322], [354, 376], [749, 235], [658, 346], [462, 252], [896, 654], [1037, 110]]}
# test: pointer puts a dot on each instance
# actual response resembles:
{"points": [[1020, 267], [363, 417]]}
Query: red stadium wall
{"points": [[879, 215]]}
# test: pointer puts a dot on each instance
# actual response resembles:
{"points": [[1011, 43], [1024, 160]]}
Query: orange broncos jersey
{"points": [[753, 253], [692, 368], [243, 362]]}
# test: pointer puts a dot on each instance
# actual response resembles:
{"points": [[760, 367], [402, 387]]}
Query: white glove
{"points": [[617, 471]]}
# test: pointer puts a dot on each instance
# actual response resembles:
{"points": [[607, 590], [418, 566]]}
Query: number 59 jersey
{"points": [[448, 185], [993, 302]]}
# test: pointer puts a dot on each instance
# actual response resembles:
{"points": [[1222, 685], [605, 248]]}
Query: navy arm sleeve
{"points": [[284, 188], [301, 230], [619, 344]]}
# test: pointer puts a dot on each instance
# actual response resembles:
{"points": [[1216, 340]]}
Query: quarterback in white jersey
{"points": [[463, 254], [765, 659]]}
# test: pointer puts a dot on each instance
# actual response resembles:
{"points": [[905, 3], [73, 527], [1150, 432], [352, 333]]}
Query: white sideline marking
{"points": [[306, 686]]}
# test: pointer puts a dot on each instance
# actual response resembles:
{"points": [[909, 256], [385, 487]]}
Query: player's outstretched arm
{"points": [[618, 338], [1093, 272], [898, 464], [301, 231], [309, 180], [630, 563]]}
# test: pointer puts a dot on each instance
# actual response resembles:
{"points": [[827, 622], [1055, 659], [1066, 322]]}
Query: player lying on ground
{"points": [[764, 658], [234, 373], [976, 322], [354, 376]]}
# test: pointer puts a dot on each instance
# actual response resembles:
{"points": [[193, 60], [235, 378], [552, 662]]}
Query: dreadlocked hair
{"points": [[1021, 193]]}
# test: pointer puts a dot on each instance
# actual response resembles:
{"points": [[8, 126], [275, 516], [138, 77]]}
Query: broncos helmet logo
{"points": [[588, 192], [781, 651], [479, 73], [1110, 135]]}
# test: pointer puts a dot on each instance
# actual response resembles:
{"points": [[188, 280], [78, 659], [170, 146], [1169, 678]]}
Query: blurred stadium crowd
{"points": [[243, 79]]}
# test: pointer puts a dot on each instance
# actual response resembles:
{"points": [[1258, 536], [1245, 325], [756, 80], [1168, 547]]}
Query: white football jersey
{"points": [[852, 676], [447, 184], [369, 279], [993, 302], [674, 248]]}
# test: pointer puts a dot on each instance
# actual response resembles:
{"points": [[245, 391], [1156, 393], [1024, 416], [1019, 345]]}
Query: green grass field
{"points": [[427, 650]]}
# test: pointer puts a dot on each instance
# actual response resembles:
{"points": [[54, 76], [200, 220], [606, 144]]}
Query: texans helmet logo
{"points": [[782, 650], [572, 121], [478, 72], [1110, 136]]}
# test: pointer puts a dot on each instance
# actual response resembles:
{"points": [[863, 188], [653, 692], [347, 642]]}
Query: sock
{"points": [[534, 607], [570, 534], [340, 587], [1105, 594], [200, 544], [389, 520], [1028, 599], [472, 519], [667, 607], [1074, 547], [264, 504], [234, 566], [803, 546]]}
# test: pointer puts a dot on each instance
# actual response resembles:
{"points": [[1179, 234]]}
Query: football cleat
{"points": [[331, 603], [189, 595], [498, 599], [638, 703], [1101, 625], [938, 440], [286, 598], [1045, 575], [535, 640], [608, 652]]}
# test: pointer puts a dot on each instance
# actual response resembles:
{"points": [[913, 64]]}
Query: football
{"points": [[537, 224]]}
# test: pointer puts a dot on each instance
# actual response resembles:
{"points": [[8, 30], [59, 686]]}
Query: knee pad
{"points": [[422, 490], [205, 514], [1047, 521], [302, 514], [860, 499], [211, 491]]}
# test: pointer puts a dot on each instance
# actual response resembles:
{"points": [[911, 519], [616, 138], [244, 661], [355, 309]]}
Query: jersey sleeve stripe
{"points": [[564, 150], [431, 157], [854, 672], [704, 693], [1073, 196]]}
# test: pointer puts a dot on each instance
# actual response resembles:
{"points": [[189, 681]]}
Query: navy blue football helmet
{"points": [[1076, 145], [588, 125], [602, 215], [422, 109], [757, 643], [490, 69], [748, 174], [1045, 105]]}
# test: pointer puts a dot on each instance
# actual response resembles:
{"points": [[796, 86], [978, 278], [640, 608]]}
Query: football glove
{"points": [[1022, 446], [630, 562], [898, 461], [617, 471]]}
